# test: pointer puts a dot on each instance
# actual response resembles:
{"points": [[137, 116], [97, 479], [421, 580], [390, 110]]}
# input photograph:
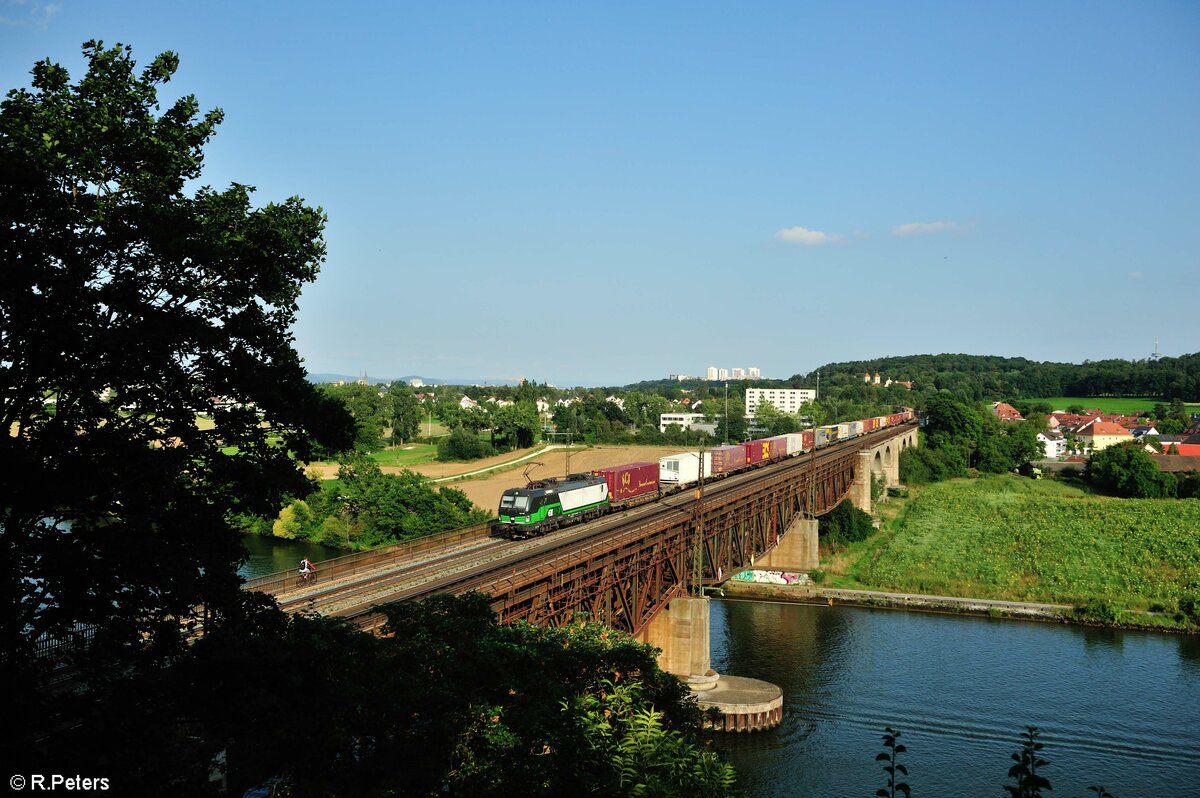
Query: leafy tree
{"points": [[1128, 471], [845, 524], [517, 423], [775, 421], [462, 445], [138, 305], [367, 408], [404, 411], [731, 427]]}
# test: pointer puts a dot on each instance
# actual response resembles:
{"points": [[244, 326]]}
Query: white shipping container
{"points": [[795, 443], [843, 431], [856, 428], [582, 497], [683, 468]]}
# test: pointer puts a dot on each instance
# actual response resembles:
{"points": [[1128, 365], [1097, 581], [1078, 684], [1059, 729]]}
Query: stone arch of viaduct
{"points": [[881, 460]]}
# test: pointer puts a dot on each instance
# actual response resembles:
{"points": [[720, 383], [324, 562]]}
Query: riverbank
{"points": [[801, 593], [1006, 538]]}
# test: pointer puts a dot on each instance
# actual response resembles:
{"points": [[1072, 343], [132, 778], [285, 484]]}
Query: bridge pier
{"points": [[860, 491], [797, 549], [681, 631]]}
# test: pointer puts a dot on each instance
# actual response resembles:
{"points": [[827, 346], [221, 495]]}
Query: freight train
{"points": [[547, 504]]}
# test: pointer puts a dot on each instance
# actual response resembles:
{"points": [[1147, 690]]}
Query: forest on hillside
{"points": [[993, 378]]}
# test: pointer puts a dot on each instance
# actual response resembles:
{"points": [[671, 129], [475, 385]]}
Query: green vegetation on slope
{"points": [[1004, 537]]}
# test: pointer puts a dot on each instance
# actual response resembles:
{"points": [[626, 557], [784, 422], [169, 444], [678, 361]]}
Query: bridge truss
{"points": [[624, 578]]}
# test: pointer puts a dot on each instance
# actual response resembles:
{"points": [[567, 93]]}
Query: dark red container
{"points": [[629, 481], [765, 449], [727, 458], [808, 441], [870, 424], [896, 418], [778, 447]]}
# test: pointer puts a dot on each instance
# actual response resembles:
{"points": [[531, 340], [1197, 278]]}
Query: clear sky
{"points": [[603, 192]]}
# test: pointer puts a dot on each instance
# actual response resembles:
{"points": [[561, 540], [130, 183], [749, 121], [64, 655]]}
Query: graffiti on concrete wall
{"points": [[773, 578]]}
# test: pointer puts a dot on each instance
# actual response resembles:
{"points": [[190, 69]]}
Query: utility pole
{"points": [[698, 525], [726, 414]]}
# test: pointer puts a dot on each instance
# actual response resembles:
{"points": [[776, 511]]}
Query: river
{"points": [[269, 555], [1121, 709]]}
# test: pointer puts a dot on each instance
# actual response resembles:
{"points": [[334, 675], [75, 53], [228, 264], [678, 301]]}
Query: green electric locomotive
{"points": [[547, 504]]}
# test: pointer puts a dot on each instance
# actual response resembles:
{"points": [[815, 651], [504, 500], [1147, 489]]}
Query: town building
{"points": [[787, 400], [1099, 435], [1054, 443], [1006, 412], [684, 420]]}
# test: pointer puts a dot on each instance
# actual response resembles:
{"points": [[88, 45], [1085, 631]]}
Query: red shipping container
{"points": [[808, 440], [778, 447], [727, 458], [765, 449], [630, 481]]}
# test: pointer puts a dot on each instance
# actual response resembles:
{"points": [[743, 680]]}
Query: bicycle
{"points": [[306, 579]]}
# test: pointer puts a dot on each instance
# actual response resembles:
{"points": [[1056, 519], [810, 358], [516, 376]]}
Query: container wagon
{"points": [[726, 459], [630, 483], [683, 468]]}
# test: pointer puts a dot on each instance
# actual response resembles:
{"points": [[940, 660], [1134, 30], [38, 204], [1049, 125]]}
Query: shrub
{"points": [[462, 444], [1101, 611]]}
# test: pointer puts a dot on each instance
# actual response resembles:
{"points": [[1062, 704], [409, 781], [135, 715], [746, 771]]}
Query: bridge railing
{"points": [[363, 561]]}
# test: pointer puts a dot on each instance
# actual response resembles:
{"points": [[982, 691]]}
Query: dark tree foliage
{"points": [[1128, 471], [462, 445], [1027, 782], [366, 508], [368, 409], [845, 524], [129, 307], [447, 702], [992, 378]]}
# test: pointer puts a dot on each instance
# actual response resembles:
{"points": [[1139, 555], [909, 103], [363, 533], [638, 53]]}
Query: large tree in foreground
{"points": [[130, 304]]}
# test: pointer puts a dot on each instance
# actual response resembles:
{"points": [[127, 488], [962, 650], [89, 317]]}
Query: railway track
{"points": [[475, 565]]}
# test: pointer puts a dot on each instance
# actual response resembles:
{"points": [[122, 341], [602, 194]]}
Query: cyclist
{"points": [[307, 570]]}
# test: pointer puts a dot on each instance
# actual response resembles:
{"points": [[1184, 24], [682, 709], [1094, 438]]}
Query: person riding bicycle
{"points": [[306, 568]]}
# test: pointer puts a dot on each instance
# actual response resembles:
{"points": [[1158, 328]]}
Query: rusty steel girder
{"points": [[624, 578]]}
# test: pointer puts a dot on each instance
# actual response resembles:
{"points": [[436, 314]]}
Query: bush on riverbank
{"points": [[365, 508], [1004, 537]]}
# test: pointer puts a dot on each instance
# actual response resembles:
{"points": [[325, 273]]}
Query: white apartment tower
{"points": [[787, 400], [712, 373]]}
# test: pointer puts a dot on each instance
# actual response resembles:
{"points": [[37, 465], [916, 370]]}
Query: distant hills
{"points": [[992, 377], [372, 379]]}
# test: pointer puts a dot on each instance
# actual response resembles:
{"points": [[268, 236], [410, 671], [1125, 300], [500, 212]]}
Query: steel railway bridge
{"points": [[621, 570]]}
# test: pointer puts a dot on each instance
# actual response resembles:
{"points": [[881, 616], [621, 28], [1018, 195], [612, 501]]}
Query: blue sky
{"points": [[599, 193]]}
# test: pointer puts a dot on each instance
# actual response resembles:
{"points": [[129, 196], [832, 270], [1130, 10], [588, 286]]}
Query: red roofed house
{"points": [[1102, 434], [1006, 412]]}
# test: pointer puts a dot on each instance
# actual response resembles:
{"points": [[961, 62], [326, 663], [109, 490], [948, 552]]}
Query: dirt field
{"points": [[485, 490]]}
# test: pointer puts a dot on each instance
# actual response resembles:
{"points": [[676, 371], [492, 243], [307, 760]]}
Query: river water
{"points": [[270, 555], [1121, 709]]}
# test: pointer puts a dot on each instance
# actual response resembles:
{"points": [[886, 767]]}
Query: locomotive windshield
{"points": [[510, 501]]}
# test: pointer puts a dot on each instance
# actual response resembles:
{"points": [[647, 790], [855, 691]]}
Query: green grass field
{"points": [[407, 455], [1005, 537], [1107, 404]]}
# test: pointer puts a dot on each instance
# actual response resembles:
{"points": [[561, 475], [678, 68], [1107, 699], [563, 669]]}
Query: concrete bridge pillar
{"points": [[860, 491], [892, 467], [797, 549], [681, 631]]}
